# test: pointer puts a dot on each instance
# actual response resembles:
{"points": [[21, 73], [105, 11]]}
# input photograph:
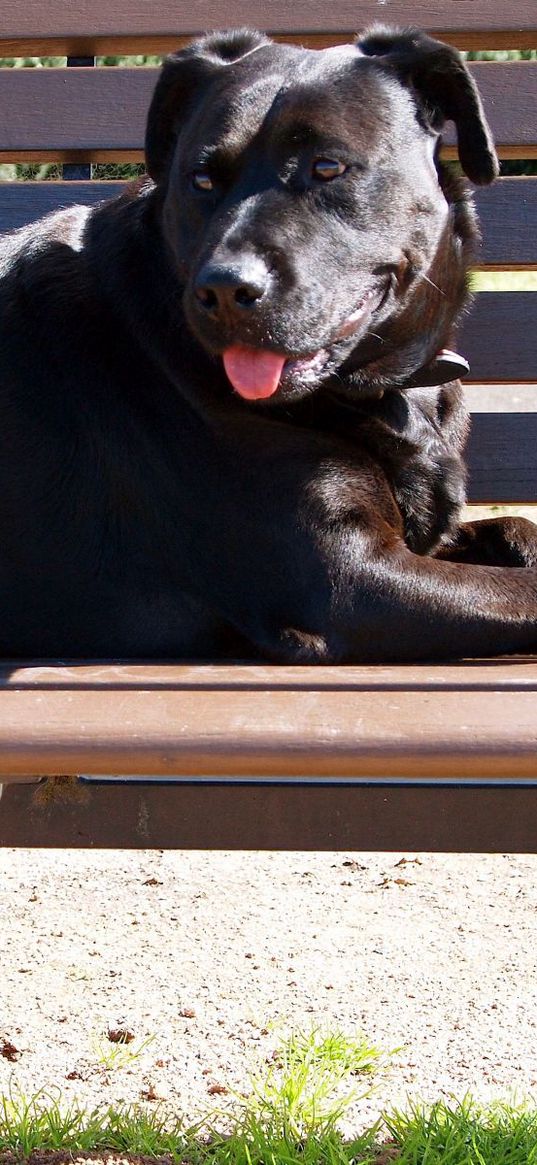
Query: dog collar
{"points": [[445, 366]]}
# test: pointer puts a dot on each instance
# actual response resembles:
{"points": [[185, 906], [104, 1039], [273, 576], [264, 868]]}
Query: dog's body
{"points": [[214, 442]]}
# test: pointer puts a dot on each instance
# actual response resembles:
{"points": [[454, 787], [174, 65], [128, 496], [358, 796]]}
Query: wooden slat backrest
{"points": [[90, 114], [507, 211], [100, 26]]}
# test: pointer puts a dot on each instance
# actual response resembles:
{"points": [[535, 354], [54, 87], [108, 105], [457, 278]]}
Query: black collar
{"points": [[445, 366]]}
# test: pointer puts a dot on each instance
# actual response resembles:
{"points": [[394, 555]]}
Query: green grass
{"points": [[120, 1053], [302, 1095], [464, 1134], [291, 1116], [43, 1123]]}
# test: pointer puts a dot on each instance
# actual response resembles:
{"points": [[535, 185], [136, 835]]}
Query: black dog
{"points": [[216, 439]]}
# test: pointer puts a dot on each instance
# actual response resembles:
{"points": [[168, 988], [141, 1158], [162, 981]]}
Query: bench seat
{"points": [[471, 719], [429, 756]]}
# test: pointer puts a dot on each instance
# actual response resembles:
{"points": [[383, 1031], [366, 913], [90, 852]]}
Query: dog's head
{"points": [[304, 207]]}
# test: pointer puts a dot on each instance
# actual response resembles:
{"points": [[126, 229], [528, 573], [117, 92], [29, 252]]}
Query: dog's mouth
{"points": [[258, 373]]}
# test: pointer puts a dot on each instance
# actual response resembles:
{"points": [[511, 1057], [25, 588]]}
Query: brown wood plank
{"points": [[258, 731], [24, 202], [508, 215], [511, 673], [286, 817], [502, 457], [508, 212], [81, 109], [89, 27], [126, 45], [95, 111], [499, 336]]}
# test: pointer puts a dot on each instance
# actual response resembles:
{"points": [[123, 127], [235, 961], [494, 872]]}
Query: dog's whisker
{"points": [[435, 285]]}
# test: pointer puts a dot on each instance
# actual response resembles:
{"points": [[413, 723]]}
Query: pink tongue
{"points": [[254, 373]]}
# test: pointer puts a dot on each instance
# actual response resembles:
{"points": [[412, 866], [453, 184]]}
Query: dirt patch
{"points": [[207, 959]]}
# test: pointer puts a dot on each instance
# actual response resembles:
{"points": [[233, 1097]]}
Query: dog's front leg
{"points": [[502, 541], [402, 606]]}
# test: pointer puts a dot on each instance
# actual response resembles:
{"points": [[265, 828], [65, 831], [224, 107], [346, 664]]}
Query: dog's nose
{"points": [[221, 287]]}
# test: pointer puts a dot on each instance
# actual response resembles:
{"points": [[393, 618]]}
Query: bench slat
{"points": [[508, 214], [508, 211], [507, 673], [499, 337], [502, 458], [23, 202], [72, 28], [284, 817], [86, 113], [472, 730]]}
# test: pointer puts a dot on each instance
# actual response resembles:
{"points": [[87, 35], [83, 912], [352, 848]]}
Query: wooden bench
{"points": [[407, 757]]}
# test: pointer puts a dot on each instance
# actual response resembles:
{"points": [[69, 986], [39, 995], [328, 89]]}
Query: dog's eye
{"points": [[324, 169], [201, 180]]}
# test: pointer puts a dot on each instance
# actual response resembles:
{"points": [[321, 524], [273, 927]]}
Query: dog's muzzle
{"points": [[226, 292]]}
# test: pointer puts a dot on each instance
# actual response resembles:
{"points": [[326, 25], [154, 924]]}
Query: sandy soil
{"points": [[212, 957]]}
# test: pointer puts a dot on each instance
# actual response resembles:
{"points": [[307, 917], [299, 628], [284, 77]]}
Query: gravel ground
{"points": [[212, 957]]}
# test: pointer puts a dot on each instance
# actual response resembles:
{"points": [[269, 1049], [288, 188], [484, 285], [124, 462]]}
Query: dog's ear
{"points": [[446, 91], [181, 77]]}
